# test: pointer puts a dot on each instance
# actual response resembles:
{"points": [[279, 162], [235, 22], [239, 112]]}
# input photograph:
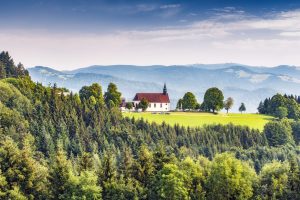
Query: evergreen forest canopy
{"points": [[58, 145], [281, 106]]}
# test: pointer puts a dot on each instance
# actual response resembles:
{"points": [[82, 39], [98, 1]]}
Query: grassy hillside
{"points": [[198, 119]]}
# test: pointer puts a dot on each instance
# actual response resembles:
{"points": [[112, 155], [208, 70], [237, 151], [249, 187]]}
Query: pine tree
{"points": [[61, 177], [242, 108], [144, 167]]}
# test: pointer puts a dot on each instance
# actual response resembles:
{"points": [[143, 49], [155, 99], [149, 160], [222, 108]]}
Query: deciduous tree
{"points": [[213, 99], [189, 101], [170, 183], [228, 104], [112, 94], [273, 180], [281, 112], [230, 178], [143, 104]]}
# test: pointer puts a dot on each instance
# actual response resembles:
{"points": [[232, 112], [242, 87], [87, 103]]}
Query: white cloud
{"points": [[290, 34], [243, 74], [168, 6], [145, 8], [289, 79], [257, 78], [289, 20], [254, 78], [240, 38]]}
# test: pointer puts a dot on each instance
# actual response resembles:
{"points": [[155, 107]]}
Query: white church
{"points": [[158, 102]]}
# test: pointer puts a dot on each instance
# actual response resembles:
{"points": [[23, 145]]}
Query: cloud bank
{"points": [[228, 35]]}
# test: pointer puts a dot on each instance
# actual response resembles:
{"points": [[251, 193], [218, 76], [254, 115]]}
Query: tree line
{"points": [[213, 102], [60, 145], [281, 106], [8, 67]]}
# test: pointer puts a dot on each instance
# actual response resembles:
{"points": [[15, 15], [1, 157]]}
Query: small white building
{"points": [[158, 102]]}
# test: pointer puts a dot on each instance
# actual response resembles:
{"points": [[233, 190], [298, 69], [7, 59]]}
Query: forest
{"points": [[56, 144]]}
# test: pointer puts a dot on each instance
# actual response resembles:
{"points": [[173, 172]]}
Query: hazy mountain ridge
{"points": [[244, 83]]}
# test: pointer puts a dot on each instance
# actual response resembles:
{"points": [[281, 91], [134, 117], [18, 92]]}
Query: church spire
{"points": [[165, 89]]}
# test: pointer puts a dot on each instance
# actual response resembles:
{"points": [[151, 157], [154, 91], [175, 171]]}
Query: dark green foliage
{"points": [[296, 131], [112, 96], [242, 108], [170, 184], [8, 68], [277, 101], [179, 104], [129, 105], [230, 179], [90, 92], [278, 133], [293, 185], [281, 112], [22, 170], [131, 154], [213, 100], [56, 145], [187, 102], [279, 104]]}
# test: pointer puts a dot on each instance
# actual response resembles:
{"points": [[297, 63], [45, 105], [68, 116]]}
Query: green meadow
{"points": [[256, 121]]}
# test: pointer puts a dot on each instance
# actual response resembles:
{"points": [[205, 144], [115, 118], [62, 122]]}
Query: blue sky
{"points": [[67, 34]]}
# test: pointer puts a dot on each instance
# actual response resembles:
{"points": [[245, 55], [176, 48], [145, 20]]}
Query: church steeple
{"points": [[165, 89]]}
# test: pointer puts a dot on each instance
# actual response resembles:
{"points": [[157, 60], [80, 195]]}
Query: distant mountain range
{"points": [[244, 83]]}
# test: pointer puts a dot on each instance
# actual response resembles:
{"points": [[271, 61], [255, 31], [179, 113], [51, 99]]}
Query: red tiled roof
{"points": [[152, 97]]}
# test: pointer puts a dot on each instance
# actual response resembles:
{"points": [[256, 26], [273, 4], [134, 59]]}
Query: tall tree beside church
{"points": [[112, 96], [179, 104], [189, 101]]}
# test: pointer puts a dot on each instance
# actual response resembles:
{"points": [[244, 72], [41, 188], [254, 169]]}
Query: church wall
{"points": [[156, 107]]}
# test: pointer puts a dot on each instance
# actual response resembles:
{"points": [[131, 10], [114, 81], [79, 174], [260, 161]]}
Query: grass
{"points": [[256, 121]]}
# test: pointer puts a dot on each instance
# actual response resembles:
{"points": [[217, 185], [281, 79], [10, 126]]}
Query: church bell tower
{"points": [[165, 92]]}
